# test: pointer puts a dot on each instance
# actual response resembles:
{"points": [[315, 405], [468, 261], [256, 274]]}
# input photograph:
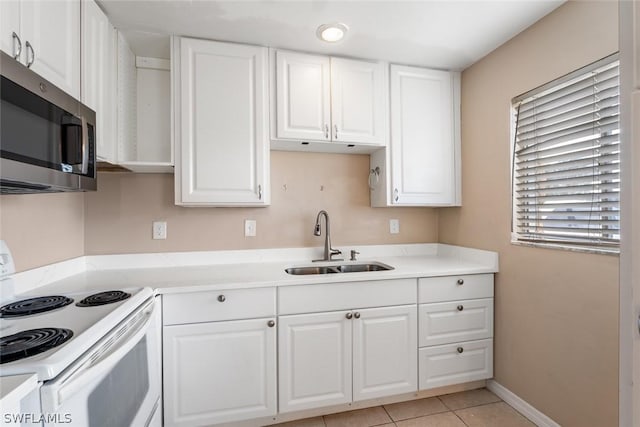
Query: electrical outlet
{"points": [[6, 260], [394, 226], [250, 228], [159, 230]]}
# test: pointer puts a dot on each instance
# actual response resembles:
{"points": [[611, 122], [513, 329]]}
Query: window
{"points": [[566, 161]]}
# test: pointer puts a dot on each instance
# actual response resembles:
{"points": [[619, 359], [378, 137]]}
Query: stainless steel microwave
{"points": [[47, 137]]}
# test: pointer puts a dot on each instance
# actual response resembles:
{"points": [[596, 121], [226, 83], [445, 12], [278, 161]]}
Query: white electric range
{"points": [[95, 354]]}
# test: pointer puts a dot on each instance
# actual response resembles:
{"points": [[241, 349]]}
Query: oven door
{"points": [[117, 383]]}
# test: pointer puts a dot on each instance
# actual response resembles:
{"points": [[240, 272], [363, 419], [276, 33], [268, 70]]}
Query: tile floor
{"points": [[474, 408]]}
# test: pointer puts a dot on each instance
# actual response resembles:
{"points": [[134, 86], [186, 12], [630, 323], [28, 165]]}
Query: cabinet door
{"points": [[219, 372], [9, 24], [357, 101], [314, 360], [303, 106], [98, 76], [385, 352], [52, 28], [223, 126], [422, 144]]}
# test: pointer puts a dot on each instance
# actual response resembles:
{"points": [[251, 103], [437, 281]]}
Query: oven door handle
{"points": [[98, 364]]}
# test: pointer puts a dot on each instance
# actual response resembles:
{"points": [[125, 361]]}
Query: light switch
{"points": [[250, 228]]}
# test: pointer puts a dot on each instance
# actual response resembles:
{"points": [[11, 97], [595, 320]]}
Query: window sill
{"points": [[565, 247]]}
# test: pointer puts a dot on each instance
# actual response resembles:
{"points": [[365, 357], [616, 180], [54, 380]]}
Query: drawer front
{"points": [[451, 322], [455, 363], [213, 306], [345, 296], [455, 288]]}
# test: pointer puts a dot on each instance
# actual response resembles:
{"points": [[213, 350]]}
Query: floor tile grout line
{"points": [[460, 418], [388, 414]]}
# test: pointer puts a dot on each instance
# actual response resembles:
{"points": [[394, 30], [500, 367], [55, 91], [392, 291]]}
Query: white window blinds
{"points": [[566, 163]]}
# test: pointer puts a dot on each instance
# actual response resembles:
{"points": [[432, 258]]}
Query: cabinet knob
{"points": [[460, 349], [222, 298], [460, 282], [16, 53], [259, 192], [349, 315], [395, 194], [357, 315], [335, 129], [460, 308], [326, 131], [271, 323]]}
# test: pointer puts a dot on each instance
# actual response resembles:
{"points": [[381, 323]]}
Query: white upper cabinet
{"points": [[323, 99], [421, 166], [50, 35], [99, 76], [303, 99], [221, 125], [357, 103], [11, 42]]}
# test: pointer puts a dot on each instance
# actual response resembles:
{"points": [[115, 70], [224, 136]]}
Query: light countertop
{"points": [[214, 271]]}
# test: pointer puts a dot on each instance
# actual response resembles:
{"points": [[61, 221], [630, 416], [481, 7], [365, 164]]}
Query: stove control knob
{"points": [[222, 298]]}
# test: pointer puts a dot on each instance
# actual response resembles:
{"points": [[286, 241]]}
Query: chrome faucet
{"points": [[329, 252]]}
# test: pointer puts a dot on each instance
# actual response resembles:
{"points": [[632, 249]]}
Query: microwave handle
{"points": [[53, 395], [85, 146]]}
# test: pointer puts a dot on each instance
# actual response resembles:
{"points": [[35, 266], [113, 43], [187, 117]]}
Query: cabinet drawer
{"points": [[212, 306], [344, 296], [455, 288], [455, 363], [450, 322]]}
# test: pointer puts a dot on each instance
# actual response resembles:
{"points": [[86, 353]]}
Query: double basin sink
{"points": [[339, 268]]}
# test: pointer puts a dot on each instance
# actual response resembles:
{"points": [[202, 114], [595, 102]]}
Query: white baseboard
{"points": [[520, 405]]}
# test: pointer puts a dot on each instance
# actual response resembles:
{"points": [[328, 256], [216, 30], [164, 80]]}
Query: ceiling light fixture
{"points": [[332, 33]]}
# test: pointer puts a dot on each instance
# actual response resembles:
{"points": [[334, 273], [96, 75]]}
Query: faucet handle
{"points": [[353, 254]]}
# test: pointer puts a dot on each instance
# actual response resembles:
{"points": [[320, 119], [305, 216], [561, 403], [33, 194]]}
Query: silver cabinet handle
{"points": [[326, 131], [460, 349], [271, 323], [335, 131], [460, 308], [460, 281], [222, 298], [356, 315], [33, 54], [395, 194], [260, 192], [16, 55], [349, 315]]}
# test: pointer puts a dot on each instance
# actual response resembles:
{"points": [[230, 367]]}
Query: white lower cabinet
{"points": [[333, 358], [219, 372], [219, 364], [455, 329]]}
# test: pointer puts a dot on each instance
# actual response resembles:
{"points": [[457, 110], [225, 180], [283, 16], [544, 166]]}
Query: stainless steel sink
{"points": [[358, 268], [340, 268], [310, 270]]}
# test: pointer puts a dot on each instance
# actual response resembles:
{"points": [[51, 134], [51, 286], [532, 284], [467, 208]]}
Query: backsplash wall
{"points": [[119, 215], [41, 229]]}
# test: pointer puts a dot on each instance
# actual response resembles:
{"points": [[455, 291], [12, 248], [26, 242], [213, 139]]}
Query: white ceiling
{"points": [[447, 34]]}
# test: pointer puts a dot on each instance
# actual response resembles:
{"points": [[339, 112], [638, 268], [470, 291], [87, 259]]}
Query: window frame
{"points": [[516, 238]]}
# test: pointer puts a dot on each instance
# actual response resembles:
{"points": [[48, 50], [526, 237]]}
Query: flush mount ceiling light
{"points": [[332, 33]]}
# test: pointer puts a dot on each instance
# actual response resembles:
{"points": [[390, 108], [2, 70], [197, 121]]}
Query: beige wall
{"points": [[42, 228], [120, 213], [556, 314]]}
